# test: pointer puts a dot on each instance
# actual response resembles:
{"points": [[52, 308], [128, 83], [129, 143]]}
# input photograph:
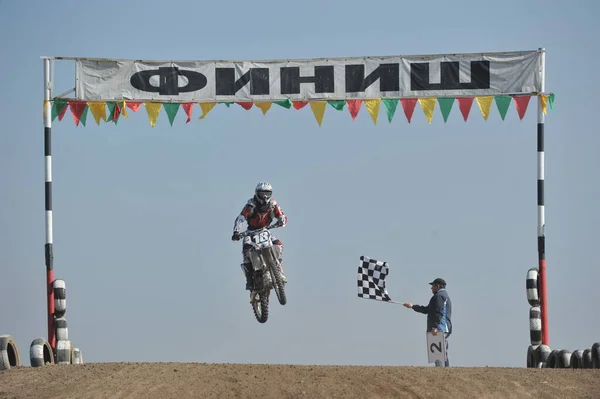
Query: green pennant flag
{"points": [[390, 105], [445, 106], [227, 103], [111, 111], [337, 104], [503, 102], [58, 107], [285, 104], [84, 114], [171, 110], [551, 101]]}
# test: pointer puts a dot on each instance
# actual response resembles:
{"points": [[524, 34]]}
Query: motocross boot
{"points": [[247, 268]]}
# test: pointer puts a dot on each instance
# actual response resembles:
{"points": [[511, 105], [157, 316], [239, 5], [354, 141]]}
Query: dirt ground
{"points": [[199, 380]]}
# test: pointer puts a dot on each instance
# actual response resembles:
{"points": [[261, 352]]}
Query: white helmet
{"points": [[263, 193]]}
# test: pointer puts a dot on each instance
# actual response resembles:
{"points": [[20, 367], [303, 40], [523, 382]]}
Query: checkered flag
{"points": [[371, 279]]}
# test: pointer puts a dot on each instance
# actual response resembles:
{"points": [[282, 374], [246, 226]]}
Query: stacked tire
{"points": [[9, 353]]}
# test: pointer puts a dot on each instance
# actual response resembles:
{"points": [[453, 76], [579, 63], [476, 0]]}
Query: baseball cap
{"points": [[438, 281]]}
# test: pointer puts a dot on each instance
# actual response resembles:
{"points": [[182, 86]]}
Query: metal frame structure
{"points": [[49, 255]]}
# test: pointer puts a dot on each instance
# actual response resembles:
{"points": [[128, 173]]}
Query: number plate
{"points": [[260, 240]]}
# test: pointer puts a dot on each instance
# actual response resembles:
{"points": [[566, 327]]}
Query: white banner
{"points": [[450, 75]]}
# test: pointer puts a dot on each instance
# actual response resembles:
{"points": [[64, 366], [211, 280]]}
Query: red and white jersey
{"points": [[257, 216]]}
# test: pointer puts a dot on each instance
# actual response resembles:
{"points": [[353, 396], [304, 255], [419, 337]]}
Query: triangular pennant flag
{"points": [[153, 109], [111, 111], [124, 110], [354, 107], [287, 103], [318, 109], [446, 106], [521, 103], [464, 104], [428, 106], [59, 107], [98, 110], [227, 103], [77, 110], [116, 113], [188, 107], [206, 107], [373, 108], [337, 104], [390, 105], [299, 104], [264, 106], [503, 102], [551, 100], [408, 104], [245, 104], [485, 104], [544, 100], [134, 105], [171, 109]]}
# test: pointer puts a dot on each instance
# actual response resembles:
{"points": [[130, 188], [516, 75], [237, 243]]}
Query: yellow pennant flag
{"points": [[206, 107], [124, 110], [428, 106], [485, 104], [373, 108], [264, 106], [153, 109], [318, 109], [544, 100], [98, 110]]}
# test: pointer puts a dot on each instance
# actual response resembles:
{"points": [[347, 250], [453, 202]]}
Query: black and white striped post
{"points": [[540, 204], [48, 201]]}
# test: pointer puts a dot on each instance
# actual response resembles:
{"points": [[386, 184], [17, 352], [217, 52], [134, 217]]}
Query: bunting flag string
{"points": [[111, 111]]}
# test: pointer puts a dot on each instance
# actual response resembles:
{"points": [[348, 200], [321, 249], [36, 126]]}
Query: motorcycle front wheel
{"points": [[260, 306]]}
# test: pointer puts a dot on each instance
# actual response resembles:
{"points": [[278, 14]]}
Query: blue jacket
{"points": [[439, 312]]}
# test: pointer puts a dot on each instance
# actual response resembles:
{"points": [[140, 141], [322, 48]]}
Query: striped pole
{"points": [[48, 202], [541, 210]]}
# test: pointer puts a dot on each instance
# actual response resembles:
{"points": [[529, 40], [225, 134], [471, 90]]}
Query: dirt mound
{"points": [[199, 380]]}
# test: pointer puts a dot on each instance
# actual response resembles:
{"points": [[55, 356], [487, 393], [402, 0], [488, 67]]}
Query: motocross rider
{"points": [[260, 211]]}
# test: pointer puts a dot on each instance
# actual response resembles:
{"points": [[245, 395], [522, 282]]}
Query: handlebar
{"points": [[248, 232]]}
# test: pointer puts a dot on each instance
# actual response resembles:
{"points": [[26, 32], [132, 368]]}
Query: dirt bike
{"points": [[267, 272]]}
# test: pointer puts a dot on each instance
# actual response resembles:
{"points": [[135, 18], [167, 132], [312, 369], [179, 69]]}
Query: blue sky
{"points": [[143, 216]]}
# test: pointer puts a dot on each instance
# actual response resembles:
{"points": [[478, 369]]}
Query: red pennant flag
{"points": [[299, 104], [408, 104], [245, 105], [354, 107], [77, 108], [116, 113], [521, 103], [62, 112], [134, 106], [187, 107], [465, 103]]}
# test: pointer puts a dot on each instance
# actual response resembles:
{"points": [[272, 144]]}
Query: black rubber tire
{"points": [[263, 302], [563, 359], [9, 353], [552, 360], [40, 353], [595, 353], [541, 355], [577, 359], [279, 286], [530, 357]]}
